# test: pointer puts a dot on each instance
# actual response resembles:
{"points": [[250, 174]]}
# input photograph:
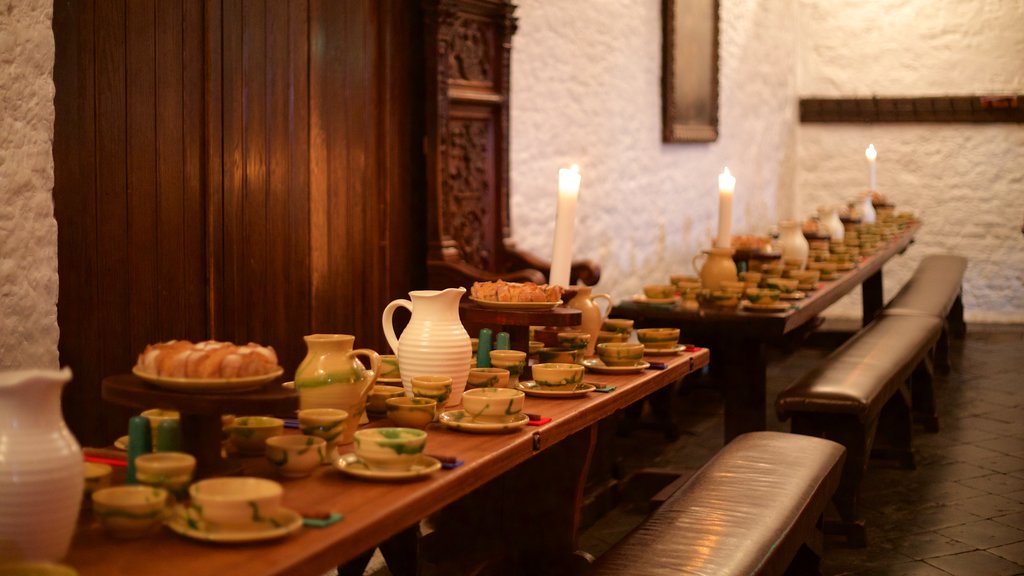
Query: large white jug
{"points": [[434, 342]]}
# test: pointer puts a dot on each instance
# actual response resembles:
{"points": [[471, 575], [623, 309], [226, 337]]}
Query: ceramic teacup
{"points": [[678, 279], [658, 337], [751, 277], [487, 378], [567, 355], [783, 285], [156, 416], [604, 336], [411, 412], [574, 340], [493, 404], [249, 433], [389, 369], [659, 290], [130, 511], [170, 470], [762, 296], [558, 376], [296, 455], [619, 325], [535, 347], [512, 360], [437, 388], [236, 502], [724, 299], [620, 353], [732, 285], [376, 400], [326, 423], [389, 448]]}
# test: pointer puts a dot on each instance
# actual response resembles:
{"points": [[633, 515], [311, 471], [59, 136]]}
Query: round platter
{"points": [[201, 385], [459, 420], [284, 522], [773, 307], [670, 351], [532, 389], [515, 305], [351, 465], [596, 365]]}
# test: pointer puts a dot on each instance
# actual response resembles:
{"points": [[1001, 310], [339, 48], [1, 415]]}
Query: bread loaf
{"points": [[209, 359], [501, 291]]}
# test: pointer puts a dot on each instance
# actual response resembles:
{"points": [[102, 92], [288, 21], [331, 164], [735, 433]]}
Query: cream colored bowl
{"points": [[130, 511]]}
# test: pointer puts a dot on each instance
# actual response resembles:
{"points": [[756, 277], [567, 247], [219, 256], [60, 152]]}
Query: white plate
{"points": [[459, 420], [641, 299], [515, 305], [798, 295], [773, 307], [532, 389], [596, 365], [121, 443], [284, 522], [209, 384], [389, 381], [670, 351], [353, 466]]}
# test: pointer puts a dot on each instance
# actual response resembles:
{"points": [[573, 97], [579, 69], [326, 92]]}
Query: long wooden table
{"points": [[739, 337], [376, 511]]}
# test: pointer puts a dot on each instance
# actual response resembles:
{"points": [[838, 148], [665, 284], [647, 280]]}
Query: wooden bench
{"points": [[861, 389], [755, 508], [935, 289]]}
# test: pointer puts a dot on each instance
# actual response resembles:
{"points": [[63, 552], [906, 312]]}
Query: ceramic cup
{"points": [[235, 503], [678, 279], [130, 511], [493, 404], [326, 423], [762, 295], [620, 353], [603, 337], [411, 412], [618, 325], [170, 470], [389, 367], [249, 434], [574, 340], [296, 455], [378, 396], [658, 337], [156, 416], [659, 290], [783, 285], [560, 376], [512, 360], [487, 378], [389, 448], [566, 355], [436, 388]]}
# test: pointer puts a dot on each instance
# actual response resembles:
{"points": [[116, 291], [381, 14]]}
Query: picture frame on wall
{"points": [[689, 71]]}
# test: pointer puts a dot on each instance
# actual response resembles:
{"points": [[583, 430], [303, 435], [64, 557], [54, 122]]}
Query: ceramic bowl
{"points": [[512, 360], [575, 340], [535, 346], [390, 448], [678, 279], [807, 278], [389, 367], [762, 295], [97, 476], [620, 353], [559, 376], [170, 470], [783, 285], [565, 355], [658, 337], [732, 285], [296, 455], [437, 388], [618, 325], [376, 400], [487, 378], [235, 503], [722, 299], [326, 423], [660, 290], [411, 412], [751, 277], [493, 404], [604, 337], [156, 416], [249, 433], [130, 511]]}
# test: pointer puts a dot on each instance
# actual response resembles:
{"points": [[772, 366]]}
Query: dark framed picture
{"points": [[689, 98]]}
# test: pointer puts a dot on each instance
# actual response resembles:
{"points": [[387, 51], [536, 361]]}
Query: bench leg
{"points": [[942, 351], [895, 425], [955, 318], [922, 391]]}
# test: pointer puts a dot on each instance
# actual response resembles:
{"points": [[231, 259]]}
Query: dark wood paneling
{"points": [[941, 109]]}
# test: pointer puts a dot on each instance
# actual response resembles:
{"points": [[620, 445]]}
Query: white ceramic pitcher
{"points": [[434, 342], [41, 467]]}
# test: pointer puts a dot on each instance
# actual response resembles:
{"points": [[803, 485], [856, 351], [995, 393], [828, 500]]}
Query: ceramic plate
{"points": [[209, 384], [792, 295], [670, 351], [389, 381], [353, 466], [596, 365], [773, 307], [121, 443], [532, 389], [515, 305], [641, 299], [459, 420], [285, 522]]}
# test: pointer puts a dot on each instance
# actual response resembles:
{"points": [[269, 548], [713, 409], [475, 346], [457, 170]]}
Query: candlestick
{"points": [[565, 219], [871, 155], [726, 186]]}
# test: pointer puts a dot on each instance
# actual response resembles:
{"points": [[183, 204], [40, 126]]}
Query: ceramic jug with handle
{"points": [[718, 267], [592, 314], [41, 467], [434, 343], [331, 376], [792, 243]]}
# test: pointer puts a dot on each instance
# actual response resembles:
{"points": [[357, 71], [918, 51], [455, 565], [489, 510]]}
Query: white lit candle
{"points": [[726, 186], [871, 155], [565, 219]]}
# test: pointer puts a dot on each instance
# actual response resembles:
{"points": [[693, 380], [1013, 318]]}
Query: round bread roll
{"points": [[208, 359]]}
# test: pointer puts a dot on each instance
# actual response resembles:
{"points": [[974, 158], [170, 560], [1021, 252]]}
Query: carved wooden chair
{"points": [[468, 48]]}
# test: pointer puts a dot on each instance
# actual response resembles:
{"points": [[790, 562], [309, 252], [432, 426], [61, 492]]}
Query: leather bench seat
{"points": [[749, 510], [859, 386], [933, 288]]}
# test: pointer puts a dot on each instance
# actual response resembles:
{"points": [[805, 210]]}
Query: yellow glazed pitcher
{"points": [[331, 376], [718, 267], [592, 314]]}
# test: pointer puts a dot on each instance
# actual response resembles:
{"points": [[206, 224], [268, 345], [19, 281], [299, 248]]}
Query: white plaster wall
{"points": [[965, 180], [586, 89], [28, 232]]}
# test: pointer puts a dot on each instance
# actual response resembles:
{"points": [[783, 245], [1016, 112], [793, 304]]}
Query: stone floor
{"points": [[960, 512]]}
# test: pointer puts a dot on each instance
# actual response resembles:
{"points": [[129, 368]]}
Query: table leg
{"points": [[742, 369], [872, 298]]}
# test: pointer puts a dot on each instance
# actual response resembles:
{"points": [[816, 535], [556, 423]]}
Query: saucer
{"points": [[596, 365], [670, 351], [121, 443], [353, 466], [283, 522], [641, 299], [532, 389], [773, 307], [798, 295], [459, 420], [389, 381]]}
